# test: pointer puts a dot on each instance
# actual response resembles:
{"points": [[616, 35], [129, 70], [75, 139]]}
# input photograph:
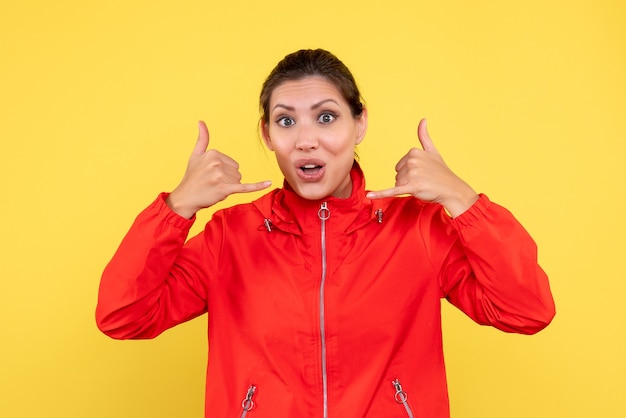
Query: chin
{"points": [[311, 193], [312, 196]]}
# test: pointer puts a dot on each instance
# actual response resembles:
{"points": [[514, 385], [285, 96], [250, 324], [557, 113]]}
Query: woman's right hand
{"points": [[210, 177]]}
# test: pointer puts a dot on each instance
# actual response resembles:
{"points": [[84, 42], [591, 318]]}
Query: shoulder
{"points": [[407, 214], [408, 206], [253, 210]]}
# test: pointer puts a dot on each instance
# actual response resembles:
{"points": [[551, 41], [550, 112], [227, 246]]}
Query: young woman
{"points": [[323, 299]]}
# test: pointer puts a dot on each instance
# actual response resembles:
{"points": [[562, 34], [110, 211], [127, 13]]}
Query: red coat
{"points": [[332, 312]]}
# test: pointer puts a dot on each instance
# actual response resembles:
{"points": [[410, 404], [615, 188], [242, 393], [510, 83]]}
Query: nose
{"points": [[306, 138]]}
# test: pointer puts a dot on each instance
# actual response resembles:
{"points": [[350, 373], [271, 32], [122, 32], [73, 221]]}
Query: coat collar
{"points": [[289, 212]]}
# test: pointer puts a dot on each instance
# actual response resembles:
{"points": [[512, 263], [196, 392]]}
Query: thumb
{"points": [[424, 138], [203, 140]]}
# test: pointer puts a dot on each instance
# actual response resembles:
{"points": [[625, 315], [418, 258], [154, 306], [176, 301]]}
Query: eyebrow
{"points": [[315, 106]]}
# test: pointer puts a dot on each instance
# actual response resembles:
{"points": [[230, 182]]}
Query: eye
{"points": [[326, 117], [285, 121]]}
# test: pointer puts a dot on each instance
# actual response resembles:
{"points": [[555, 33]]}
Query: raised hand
{"points": [[210, 177], [423, 174]]}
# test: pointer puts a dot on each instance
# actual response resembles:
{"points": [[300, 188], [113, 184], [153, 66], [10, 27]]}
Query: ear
{"points": [[265, 133], [361, 122]]}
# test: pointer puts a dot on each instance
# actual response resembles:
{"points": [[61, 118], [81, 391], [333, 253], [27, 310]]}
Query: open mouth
{"points": [[310, 169]]}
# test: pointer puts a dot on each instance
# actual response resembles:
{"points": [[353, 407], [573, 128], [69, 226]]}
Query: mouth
{"points": [[310, 170]]}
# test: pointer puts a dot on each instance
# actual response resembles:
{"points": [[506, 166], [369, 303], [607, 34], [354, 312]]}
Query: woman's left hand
{"points": [[423, 174]]}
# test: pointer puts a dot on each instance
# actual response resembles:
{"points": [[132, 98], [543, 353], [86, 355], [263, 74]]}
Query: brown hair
{"points": [[312, 62]]}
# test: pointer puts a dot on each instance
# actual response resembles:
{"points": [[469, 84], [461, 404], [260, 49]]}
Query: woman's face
{"points": [[313, 134]]}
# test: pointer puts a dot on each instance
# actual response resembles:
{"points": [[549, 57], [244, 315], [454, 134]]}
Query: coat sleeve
{"points": [[490, 270], [153, 281]]}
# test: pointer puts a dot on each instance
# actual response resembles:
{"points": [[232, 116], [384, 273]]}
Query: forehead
{"points": [[307, 90]]}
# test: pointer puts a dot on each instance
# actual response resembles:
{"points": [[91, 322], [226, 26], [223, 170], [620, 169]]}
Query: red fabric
{"points": [[382, 292]]}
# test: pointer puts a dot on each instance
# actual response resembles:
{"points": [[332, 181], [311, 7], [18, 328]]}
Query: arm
{"points": [[489, 267], [503, 286], [143, 291], [155, 280]]}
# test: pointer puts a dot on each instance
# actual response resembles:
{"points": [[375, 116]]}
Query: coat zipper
{"points": [[401, 397], [248, 404], [323, 213]]}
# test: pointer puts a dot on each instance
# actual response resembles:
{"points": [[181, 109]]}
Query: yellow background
{"points": [[526, 100]]}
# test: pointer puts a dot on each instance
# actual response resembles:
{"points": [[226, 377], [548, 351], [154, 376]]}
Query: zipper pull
{"points": [[379, 216], [248, 404], [323, 213], [400, 396]]}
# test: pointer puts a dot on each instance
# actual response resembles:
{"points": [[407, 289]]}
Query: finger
{"points": [[228, 160], [203, 140], [394, 191], [251, 187], [409, 159], [402, 161], [424, 138]]}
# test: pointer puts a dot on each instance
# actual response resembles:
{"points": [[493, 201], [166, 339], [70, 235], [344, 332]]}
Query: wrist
{"points": [[460, 201], [179, 208]]}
